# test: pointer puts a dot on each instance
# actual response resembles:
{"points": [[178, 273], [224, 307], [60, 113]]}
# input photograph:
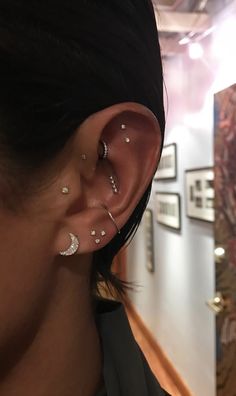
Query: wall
{"points": [[172, 300]]}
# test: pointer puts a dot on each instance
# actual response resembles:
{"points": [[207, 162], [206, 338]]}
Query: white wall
{"points": [[172, 300]]}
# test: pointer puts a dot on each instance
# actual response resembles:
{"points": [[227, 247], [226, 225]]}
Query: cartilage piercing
{"points": [[127, 140], [93, 233], [65, 190], [113, 183], [123, 127], [74, 245], [104, 153], [103, 233], [97, 241], [112, 218]]}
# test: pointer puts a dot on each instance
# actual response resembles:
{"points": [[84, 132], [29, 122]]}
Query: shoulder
{"points": [[125, 366]]}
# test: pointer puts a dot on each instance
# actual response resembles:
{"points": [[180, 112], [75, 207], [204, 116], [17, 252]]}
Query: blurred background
{"points": [[183, 257]]}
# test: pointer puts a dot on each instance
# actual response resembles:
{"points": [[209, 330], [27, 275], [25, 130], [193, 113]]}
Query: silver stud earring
{"points": [[93, 233], [65, 190], [103, 233], [84, 157], [123, 127], [73, 246], [97, 241], [127, 140]]}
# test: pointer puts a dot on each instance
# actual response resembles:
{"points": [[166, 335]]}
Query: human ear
{"points": [[105, 192]]}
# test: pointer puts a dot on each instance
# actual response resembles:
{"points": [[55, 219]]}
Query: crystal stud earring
{"points": [[113, 183], [65, 190]]}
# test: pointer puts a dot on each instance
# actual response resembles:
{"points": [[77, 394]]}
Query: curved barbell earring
{"points": [[73, 246]]}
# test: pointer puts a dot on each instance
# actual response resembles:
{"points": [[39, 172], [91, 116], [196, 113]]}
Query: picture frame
{"points": [[168, 209], [149, 240], [167, 168], [200, 195]]}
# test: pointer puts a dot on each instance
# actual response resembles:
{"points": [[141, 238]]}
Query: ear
{"points": [[133, 138]]}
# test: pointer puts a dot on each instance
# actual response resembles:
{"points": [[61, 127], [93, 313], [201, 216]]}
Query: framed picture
{"points": [[200, 194], [168, 209], [148, 225], [167, 168]]}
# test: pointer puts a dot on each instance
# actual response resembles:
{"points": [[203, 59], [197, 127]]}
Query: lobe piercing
{"points": [[93, 232], [65, 190], [97, 241], [103, 233], [73, 246]]}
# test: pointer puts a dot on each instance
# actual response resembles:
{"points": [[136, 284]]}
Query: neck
{"points": [[63, 357]]}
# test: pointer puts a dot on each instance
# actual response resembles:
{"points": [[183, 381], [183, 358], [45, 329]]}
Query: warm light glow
{"points": [[184, 40], [195, 51], [219, 252]]}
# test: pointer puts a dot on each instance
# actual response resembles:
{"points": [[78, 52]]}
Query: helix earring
{"points": [[73, 246], [104, 153], [123, 128]]}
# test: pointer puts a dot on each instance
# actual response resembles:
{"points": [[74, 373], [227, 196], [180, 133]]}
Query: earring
{"points": [[73, 246], [84, 157], [112, 218], [104, 153], [113, 183], [65, 190]]}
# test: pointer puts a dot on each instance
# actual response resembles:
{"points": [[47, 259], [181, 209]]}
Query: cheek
{"points": [[26, 278]]}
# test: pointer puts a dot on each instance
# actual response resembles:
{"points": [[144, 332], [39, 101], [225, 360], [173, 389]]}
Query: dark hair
{"points": [[61, 61]]}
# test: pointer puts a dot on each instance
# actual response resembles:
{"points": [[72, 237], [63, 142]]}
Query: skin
{"points": [[49, 342]]}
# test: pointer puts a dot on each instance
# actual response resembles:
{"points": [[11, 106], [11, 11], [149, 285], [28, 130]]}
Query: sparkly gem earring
{"points": [[73, 246], [113, 183], [123, 128], [104, 153], [65, 190]]}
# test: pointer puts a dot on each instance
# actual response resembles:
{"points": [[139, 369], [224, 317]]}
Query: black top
{"points": [[125, 369]]}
